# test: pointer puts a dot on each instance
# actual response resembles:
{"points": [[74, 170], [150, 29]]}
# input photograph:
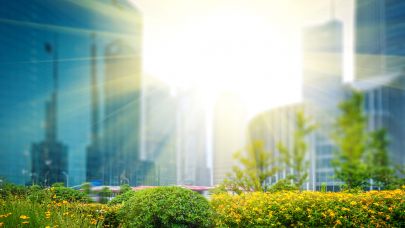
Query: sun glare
{"points": [[235, 52]]}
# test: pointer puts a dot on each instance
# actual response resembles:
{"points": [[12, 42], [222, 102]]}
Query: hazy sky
{"points": [[239, 45]]}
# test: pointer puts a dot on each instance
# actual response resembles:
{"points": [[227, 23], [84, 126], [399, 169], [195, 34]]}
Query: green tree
{"points": [[104, 195], [86, 188], [125, 188], [256, 165], [378, 160], [351, 140], [295, 158]]}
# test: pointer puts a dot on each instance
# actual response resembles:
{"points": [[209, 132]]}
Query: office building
{"points": [[384, 105], [158, 140], [122, 108], [191, 139], [323, 90], [379, 34], [26, 85], [277, 126], [230, 123], [50, 157]]}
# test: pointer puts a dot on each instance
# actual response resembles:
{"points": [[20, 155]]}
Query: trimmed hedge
{"points": [[166, 207], [310, 209], [124, 197]]}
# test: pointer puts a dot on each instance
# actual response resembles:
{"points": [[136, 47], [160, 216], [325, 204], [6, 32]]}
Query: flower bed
{"points": [[311, 209]]}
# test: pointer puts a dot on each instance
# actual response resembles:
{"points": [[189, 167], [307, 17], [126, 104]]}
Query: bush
{"points": [[25, 213], [39, 195], [122, 198], [310, 209], [86, 188], [166, 207], [68, 194], [104, 195], [125, 188], [9, 189], [283, 185]]}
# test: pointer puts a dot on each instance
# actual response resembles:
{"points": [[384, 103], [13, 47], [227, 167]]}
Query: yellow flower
{"points": [[64, 202], [93, 222], [47, 226], [1, 224], [353, 203], [24, 217], [338, 222], [25, 222]]}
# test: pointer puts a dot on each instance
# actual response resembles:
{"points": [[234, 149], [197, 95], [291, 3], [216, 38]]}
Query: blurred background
{"points": [[154, 92]]}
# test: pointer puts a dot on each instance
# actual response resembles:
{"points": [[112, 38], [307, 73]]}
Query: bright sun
{"points": [[238, 53]]}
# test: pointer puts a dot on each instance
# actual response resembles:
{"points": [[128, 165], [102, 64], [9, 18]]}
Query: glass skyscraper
{"points": [[379, 36], [380, 64], [322, 92], [99, 46]]}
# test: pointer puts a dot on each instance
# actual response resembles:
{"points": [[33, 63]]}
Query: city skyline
{"points": [[111, 119]]}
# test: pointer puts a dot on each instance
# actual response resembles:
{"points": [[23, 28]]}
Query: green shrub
{"points": [[283, 185], [58, 184], [9, 189], [166, 207], [39, 195], [86, 188], [104, 195], [122, 198], [125, 188], [323, 187], [310, 209], [68, 194]]}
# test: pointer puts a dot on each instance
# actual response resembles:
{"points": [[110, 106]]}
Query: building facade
{"points": [[230, 131], [27, 78], [323, 90], [380, 62], [384, 105], [277, 126], [191, 139], [158, 140], [379, 34]]}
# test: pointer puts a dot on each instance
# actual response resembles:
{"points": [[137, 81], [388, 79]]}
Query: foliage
{"points": [[378, 161], [86, 188], [68, 194], [221, 188], [283, 185], [104, 195], [351, 138], [166, 207], [8, 189], [295, 158], [39, 195], [310, 209], [58, 184], [178, 207], [122, 198], [255, 168], [125, 188], [19, 212]]}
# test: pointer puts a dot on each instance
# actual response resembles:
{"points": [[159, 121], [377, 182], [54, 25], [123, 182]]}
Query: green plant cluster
{"points": [[166, 207], [70, 195], [9, 189], [122, 198], [179, 207], [310, 209]]}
